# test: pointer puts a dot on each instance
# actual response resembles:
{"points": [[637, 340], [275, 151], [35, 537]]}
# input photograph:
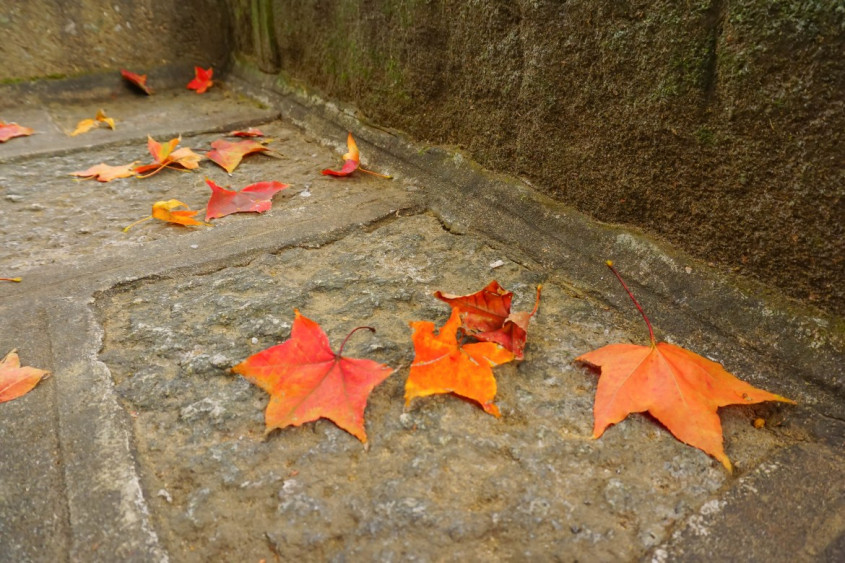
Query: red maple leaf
{"points": [[486, 315], [228, 154], [138, 80], [306, 380], [678, 387], [11, 130], [15, 380], [255, 197], [202, 80], [249, 132]]}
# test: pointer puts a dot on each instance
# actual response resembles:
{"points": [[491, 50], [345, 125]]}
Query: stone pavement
{"points": [[142, 446]]}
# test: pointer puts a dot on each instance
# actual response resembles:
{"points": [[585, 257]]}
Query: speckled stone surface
{"points": [[143, 446], [441, 479]]}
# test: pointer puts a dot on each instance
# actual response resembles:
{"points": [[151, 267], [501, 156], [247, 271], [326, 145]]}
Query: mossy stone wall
{"points": [[717, 125]]}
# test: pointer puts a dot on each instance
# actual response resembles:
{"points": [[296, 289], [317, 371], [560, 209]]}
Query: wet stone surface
{"points": [[441, 480]]}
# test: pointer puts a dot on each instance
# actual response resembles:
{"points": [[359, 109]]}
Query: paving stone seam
{"points": [[172, 257], [103, 487], [76, 338], [139, 140]]}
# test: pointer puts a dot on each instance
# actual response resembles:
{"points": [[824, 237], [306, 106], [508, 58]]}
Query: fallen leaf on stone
{"points": [[351, 161], [104, 173], [84, 126], [253, 198], [442, 365], [87, 124], [166, 157], [678, 387], [251, 132], [138, 80], [167, 211], [202, 80], [101, 118], [11, 130], [228, 154], [11, 279], [15, 380], [306, 380], [486, 315]]}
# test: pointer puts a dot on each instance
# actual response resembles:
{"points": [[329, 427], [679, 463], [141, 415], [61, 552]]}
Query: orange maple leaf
{"points": [[351, 161], [168, 156], [166, 211], [678, 387], [486, 315], [16, 380], [228, 154], [87, 124], [442, 365], [105, 173], [306, 380], [202, 80], [11, 130]]}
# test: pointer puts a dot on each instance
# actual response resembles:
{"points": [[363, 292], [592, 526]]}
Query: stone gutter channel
{"points": [[142, 446]]}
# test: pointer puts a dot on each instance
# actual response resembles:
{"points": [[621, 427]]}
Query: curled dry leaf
{"points": [[202, 80], [105, 173], [87, 124], [138, 80], [228, 154], [168, 156], [306, 380], [351, 161], [167, 211], [486, 315], [678, 387], [442, 365], [83, 127], [101, 118], [253, 198], [15, 380], [250, 132], [12, 130]]}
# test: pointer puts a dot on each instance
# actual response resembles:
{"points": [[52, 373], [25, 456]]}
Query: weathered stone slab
{"points": [[803, 485], [441, 480]]}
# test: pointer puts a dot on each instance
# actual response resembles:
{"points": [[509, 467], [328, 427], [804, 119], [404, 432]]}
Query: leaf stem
{"points": [[156, 171], [375, 173], [125, 229], [11, 279], [537, 301], [631, 295], [354, 330]]}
